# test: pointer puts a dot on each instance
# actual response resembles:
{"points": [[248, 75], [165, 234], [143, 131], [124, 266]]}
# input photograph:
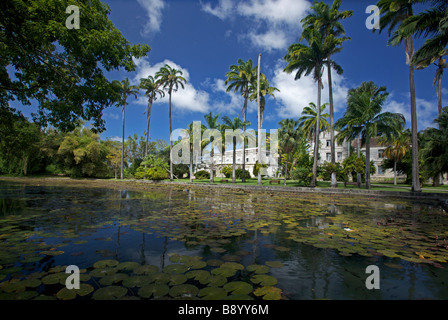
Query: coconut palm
{"points": [[289, 136], [308, 121], [310, 59], [393, 14], [170, 79], [189, 131], [363, 117], [327, 19], [152, 90], [242, 77], [265, 90], [234, 124], [125, 90], [213, 123]]}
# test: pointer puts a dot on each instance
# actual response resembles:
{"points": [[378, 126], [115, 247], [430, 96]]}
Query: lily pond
{"points": [[179, 242]]}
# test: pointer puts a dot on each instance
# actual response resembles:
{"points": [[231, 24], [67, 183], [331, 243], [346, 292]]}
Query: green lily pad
{"points": [[264, 280], [212, 293], [225, 272], [280, 248], [176, 279], [146, 269], [269, 293], [25, 295], [101, 264], [159, 277], [113, 279], [217, 249], [110, 293], [128, 266], [238, 287], [195, 264], [217, 281], [274, 264], [184, 291], [136, 281], [202, 276], [52, 252], [232, 265], [153, 290], [215, 262], [258, 268], [175, 268], [55, 278], [69, 294], [102, 272]]}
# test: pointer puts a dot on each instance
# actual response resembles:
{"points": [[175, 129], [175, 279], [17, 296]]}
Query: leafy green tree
{"points": [[125, 89], [289, 135], [326, 20], [242, 77], [363, 116], [308, 120], [61, 69], [170, 79]]}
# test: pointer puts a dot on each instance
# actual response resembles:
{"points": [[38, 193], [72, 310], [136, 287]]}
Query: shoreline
{"points": [[143, 185]]}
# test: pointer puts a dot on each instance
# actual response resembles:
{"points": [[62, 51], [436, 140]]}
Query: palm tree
{"points": [[151, 88], [393, 14], [125, 90], [289, 134], [326, 19], [363, 116], [308, 121], [170, 79], [240, 78], [398, 145], [235, 125], [189, 131], [212, 123], [311, 59]]}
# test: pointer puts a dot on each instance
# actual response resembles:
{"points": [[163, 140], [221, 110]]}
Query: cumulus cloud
{"points": [[222, 10], [187, 99], [154, 10]]}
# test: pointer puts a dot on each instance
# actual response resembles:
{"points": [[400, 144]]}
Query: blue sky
{"points": [[204, 37]]}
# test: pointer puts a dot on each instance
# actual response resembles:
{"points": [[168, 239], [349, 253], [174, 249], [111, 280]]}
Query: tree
{"points": [[170, 79], [213, 124], [235, 124], [189, 131], [309, 118], [242, 77], [363, 117], [310, 59], [398, 145], [152, 90], [61, 69], [326, 19], [125, 90], [393, 14], [289, 135]]}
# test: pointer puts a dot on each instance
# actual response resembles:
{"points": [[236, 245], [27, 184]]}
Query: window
{"points": [[339, 156], [380, 154], [328, 143], [328, 156], [247, 159], [380, 170]]}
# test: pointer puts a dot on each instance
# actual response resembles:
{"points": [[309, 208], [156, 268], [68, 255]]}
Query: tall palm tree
{"points": [[189, 131], [310, 59], [363, 116], [170, 79], [234, 124], [152, 90], [327, 19], [213, 123], [265, 90], [398, 145], [289, 136], [393, 14], [308, 121], [240, 78], [125, 90]]}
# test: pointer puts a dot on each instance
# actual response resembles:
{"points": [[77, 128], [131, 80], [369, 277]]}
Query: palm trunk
{"points": [[234, 162], [211, 166], [171, 142], [122, 147], [316, 139], [358, 174], [25, 165], [395, 171], [334, 182], [367, 162], [147, 134], [439, 107], [191, 162], [246, 94], [286, 168], [409, 48]]}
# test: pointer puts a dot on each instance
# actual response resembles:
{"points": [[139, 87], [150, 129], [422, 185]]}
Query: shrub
{"points": [[239, 174], [227, 171], [302, 174], [202, 174], [156, 173]]}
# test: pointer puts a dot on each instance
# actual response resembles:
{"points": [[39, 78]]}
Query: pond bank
{"points": [[143, 184]]}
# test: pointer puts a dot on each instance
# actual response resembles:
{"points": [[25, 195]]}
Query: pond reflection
{"points": [[251, 245]]}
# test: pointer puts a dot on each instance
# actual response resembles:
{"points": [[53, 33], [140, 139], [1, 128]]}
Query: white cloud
{"points": [[294, 95], [187, 99], [223, 10], [154, 10], [271, 40]]}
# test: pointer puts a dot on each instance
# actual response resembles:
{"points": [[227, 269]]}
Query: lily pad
{"points": [[146, 269], [175, 268], [101, 264], [215, 262], [258, 268], [232, 265], [113, 279], [217, 249], [136, 281], [217, 281], [159, 277], [264, 280], [69, 294], [110, 293], [128, 266], [55, 278], [98, 273], [274, 264], [225, 272], [202, 276], [184, 291], [176, 279], [238, 287], [153, 290], [269, 293], [52, 252], [212, 293]]}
